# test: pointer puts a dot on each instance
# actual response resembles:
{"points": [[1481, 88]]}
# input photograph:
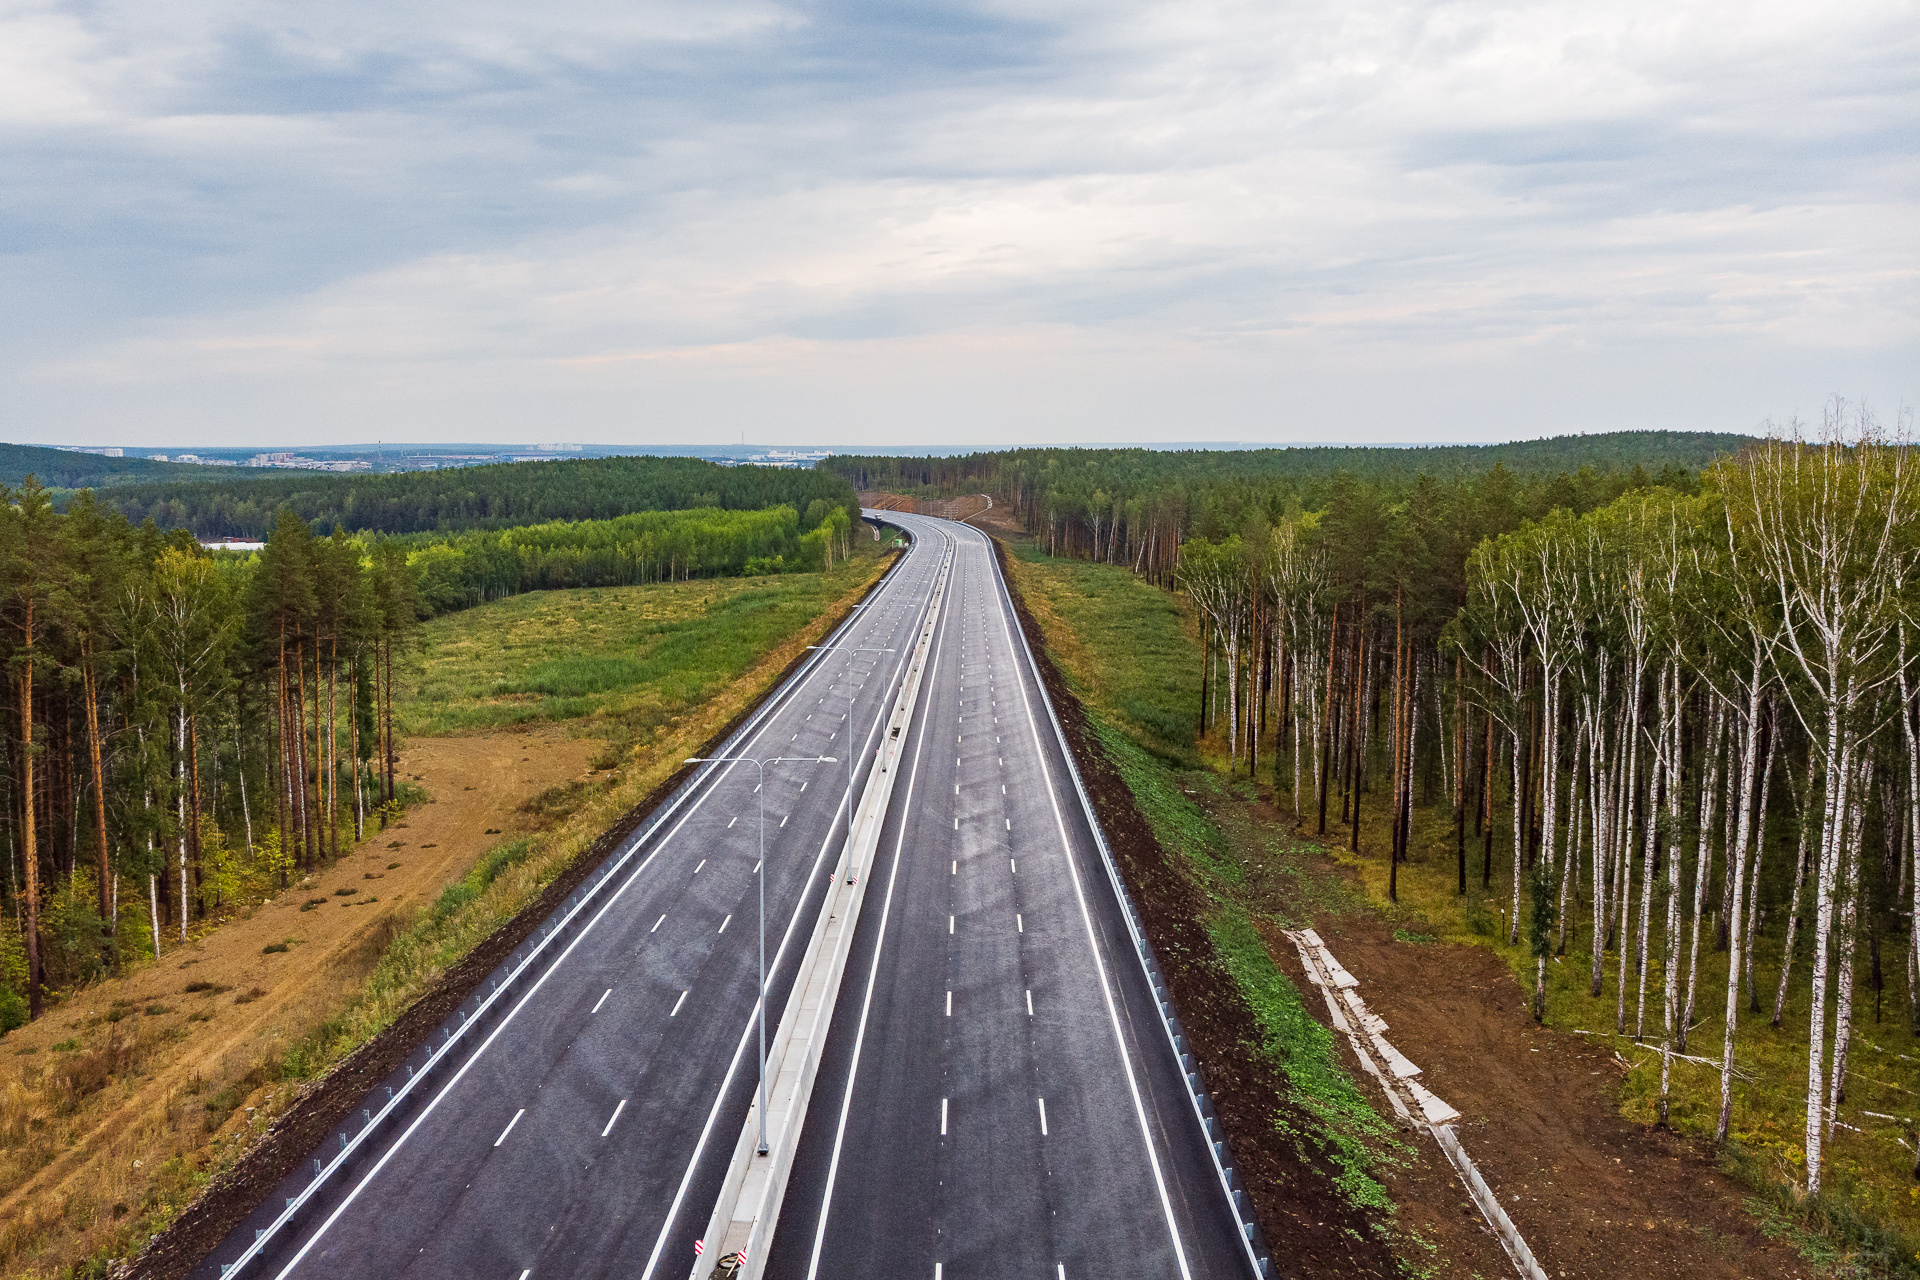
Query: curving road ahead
{"points": [[998, 1096]]}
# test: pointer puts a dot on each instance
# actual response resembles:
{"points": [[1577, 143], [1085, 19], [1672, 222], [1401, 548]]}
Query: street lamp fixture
{"points": [[761, 873]]}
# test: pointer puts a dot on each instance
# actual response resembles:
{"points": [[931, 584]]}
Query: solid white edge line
{"points": [[1093, 944], [709, 779], [616, 1115], [509, 1129]]}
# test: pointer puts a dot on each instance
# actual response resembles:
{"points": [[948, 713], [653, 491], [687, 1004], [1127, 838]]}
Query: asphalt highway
{"points": [[586, 1132], [997, 1098]]}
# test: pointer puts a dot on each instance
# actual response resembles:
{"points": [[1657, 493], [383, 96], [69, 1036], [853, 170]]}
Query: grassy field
{"points": [[1132, 656], [615, 662]]}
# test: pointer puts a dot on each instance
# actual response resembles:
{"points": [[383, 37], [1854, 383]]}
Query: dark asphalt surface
{"points": [[997, 1097], [509, 1163]]}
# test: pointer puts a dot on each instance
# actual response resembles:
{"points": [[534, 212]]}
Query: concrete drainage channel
{"points": [[748, 1208], [1412, 1101], [402, 1100]]}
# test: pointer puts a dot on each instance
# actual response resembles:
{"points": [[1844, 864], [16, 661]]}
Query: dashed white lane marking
{"points": [[949, 1004], [1009, 824], [1043, 1117], [956, 868], [936, 1272], [616, 1115], [956, 788], [736, 817], [602, 1000], [1018, 923], [756, 868], [696, 870], [725, 923], [803, 786], [1029, 1002], [943, 1119], [949, 924], [677, 1003], [956, 824], [657, 923], [1013, 867], [509, 1129], [1060, 1271], [783, 821]]}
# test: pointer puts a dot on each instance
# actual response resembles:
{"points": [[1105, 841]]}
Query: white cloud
{"points": [[1519, 216]]}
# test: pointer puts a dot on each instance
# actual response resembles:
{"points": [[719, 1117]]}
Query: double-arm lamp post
{"points": [[761, 873]]}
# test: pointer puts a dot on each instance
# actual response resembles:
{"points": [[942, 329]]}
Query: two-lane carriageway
{"points": [[582, 1126], [998, 1097]]}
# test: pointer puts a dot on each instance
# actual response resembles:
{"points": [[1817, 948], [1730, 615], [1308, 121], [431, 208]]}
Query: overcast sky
{"points": [[276, 222]]}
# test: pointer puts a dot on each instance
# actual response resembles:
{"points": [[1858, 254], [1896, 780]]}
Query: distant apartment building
{"points": [[299, 462], [101, 450]]}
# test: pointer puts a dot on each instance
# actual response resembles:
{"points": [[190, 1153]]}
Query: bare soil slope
{"points": [[1594, 1195], [145, 1083]]}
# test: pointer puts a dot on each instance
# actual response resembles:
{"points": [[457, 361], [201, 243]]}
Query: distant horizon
{"points": [[561, 449]]}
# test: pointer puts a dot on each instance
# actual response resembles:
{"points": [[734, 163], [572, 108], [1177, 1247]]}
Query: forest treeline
{"points": [[1682, 719], [66, 469], [460, 570], [186, 729], [491, 497], [1136, 506]]}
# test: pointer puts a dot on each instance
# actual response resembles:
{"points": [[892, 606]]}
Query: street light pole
{"points": [[849, 650], [761, 874]]}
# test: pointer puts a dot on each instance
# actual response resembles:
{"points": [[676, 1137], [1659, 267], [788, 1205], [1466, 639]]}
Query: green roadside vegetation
{"points": [[1132, 660], [1132, 655], [620, 663]]}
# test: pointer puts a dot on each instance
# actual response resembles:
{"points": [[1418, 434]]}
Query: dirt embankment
{"points": [[1593, 1194], [964, 507], [195, 1027]]}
